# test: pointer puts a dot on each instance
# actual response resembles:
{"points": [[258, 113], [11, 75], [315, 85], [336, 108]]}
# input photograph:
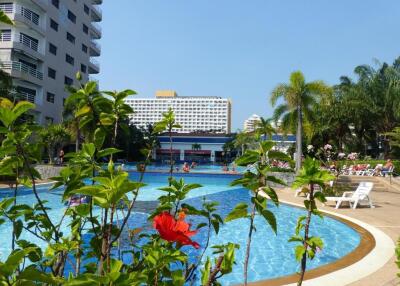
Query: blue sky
{"points": [[241, 49]]}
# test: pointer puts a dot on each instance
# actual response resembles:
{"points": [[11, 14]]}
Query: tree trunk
{"points": [[246, 259], [299, 147], [306, 235]]}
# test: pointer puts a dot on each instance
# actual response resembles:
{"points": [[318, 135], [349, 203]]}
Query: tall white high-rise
{"points": [[50, 42], [194, 114], [250, 123]]}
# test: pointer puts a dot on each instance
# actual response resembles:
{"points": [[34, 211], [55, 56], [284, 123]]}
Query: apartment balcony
{"points": [[21, 14], [94, 49], [22, 43], [94, 66], [96, 13], [22, 72], [95, 31], [25, 96]]}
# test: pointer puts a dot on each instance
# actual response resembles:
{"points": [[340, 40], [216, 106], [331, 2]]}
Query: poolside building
{"points": [[50, 42], [210, 114], [205, 148]]}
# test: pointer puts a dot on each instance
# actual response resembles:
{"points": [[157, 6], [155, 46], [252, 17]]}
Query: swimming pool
{"points": [[201, 168], [271, 256]]}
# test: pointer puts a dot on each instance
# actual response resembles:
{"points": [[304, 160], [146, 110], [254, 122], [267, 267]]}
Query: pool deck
{"points": [[384, 217]]}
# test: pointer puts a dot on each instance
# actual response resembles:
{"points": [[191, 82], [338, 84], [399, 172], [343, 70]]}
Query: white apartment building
{"points": [[250, 123], [50, 42], [194, 114]]}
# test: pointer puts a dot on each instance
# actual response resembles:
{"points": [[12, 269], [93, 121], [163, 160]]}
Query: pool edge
{"points": [[373, 252]]}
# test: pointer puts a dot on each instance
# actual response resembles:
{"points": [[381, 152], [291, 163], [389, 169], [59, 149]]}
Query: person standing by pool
{"points": [[61, 156]]}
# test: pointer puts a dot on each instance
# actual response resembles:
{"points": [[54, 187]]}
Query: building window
{"points": [[56, 3], [53, 25], [69, 59], [86, 9], [50, 97], [49, 120], [84, 48], [85, 29], [83, 68], [5, 35], [52, 49], [71, 17], [68, 80], [70, 38], [51, 73]]}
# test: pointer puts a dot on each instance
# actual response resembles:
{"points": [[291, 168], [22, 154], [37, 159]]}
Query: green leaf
{"points": [[205, 273], [299, 252], [270, 218], [215, 224], [99, 137], [320, 196], [240, 211], [107, 152]]}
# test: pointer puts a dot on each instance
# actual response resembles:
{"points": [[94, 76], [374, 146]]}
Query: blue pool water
{"points": [[201, 168], [271, 256]]}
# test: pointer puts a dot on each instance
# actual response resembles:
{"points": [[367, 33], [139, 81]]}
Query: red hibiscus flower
{"points": [[174, 230]]}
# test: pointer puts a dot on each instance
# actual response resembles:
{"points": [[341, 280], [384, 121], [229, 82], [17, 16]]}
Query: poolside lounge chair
{"points": [[361, 194]]}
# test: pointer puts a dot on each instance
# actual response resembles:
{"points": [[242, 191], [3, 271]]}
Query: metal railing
{"points": [[96, 27], [25, 96], [30, 15], [29, 41], [95, 63], [17, 66], [95, 45], [7, 8], [5, 35], [97, 10]]}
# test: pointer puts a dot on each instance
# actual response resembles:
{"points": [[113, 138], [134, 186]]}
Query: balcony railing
{"points": [[5, 35], [97, 10], [10, 8], [21, 67], [25, 96], [7, 8], [30, 15], [29, 41], [95, 45], [96, 27]]}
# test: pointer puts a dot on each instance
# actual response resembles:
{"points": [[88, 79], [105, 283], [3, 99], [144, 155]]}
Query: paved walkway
{"points": [[385, 216]]}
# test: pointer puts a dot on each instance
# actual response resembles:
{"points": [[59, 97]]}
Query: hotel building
{"points": [[194, 114], [50, 42], [250, 123]]}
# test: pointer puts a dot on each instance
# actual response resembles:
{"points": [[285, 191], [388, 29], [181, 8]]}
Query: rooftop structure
{"points": [[50, 42], [194, 114]]}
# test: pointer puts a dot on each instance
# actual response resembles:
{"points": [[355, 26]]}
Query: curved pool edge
{"points": [[375, 249]]}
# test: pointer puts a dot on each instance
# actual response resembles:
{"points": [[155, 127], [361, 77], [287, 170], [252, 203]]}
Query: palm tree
{"points": [[264, 127], [243, 140], [299, 98], [54, 136], [118, 114], [83, 107]]}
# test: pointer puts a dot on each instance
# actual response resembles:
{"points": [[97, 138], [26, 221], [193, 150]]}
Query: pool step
{"points": [[381, 184]]}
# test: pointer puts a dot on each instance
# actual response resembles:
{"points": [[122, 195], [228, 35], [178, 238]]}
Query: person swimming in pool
{"points": [[186, 167]]}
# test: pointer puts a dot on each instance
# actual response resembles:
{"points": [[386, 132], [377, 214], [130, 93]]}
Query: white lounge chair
{"points": [[361, 194]]}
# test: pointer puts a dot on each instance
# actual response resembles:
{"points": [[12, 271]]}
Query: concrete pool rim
{"points": [[375, 249]]}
